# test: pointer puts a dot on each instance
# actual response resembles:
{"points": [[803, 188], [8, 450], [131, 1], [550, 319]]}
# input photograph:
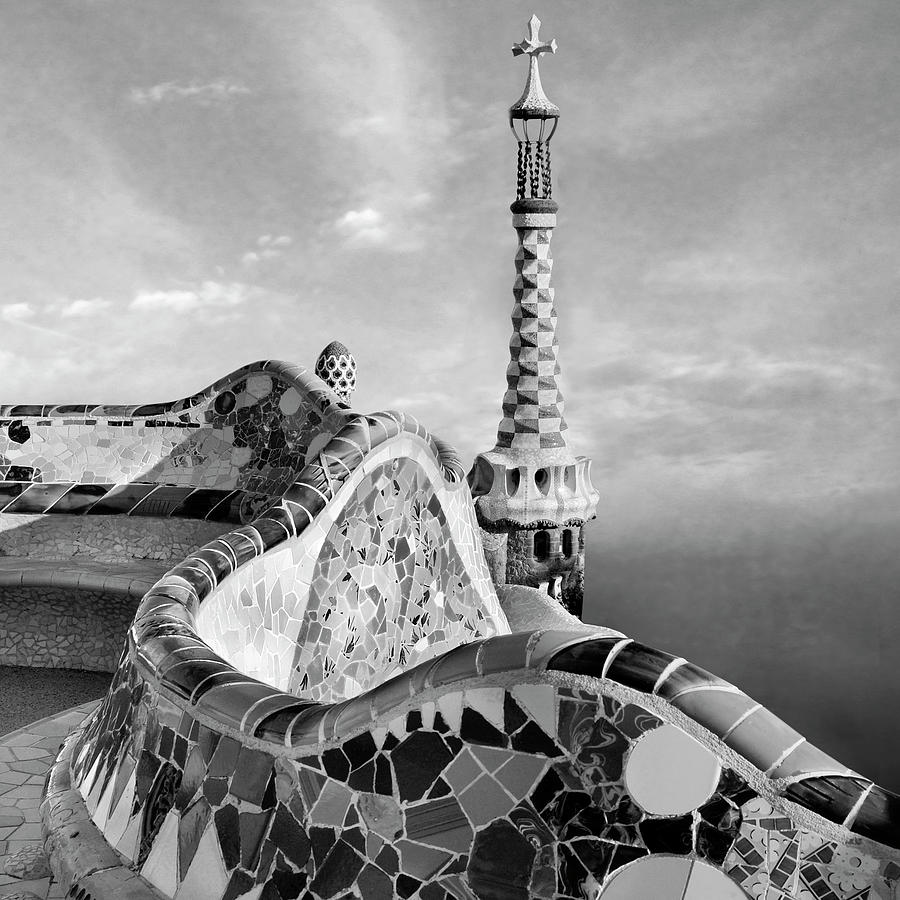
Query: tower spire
{"points": [[532, 495]]}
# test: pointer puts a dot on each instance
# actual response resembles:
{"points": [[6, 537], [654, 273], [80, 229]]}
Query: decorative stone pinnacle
{"points": [[533, 104]]}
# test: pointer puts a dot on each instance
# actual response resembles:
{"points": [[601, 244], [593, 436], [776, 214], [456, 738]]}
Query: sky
{"points": [[191, 186]]}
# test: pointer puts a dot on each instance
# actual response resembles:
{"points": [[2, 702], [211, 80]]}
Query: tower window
{"points": [[567, 543], [541, 545]]}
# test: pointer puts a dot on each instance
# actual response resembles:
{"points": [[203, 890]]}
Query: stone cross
{"points": [[532, 45]]}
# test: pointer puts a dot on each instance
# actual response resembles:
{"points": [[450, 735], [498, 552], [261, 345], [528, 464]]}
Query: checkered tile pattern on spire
{"points": [[533, 405]]}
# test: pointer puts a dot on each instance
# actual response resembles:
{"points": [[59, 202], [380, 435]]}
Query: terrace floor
{"points": [[25, 756]]}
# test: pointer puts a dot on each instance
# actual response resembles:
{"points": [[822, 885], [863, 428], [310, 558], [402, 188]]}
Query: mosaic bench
{"points": [[329, 702], [102, 499]]}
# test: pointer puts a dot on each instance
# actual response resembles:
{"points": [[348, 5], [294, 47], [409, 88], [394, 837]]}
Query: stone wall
{"points": [[108, 539], [522, 567], [50, 627]]}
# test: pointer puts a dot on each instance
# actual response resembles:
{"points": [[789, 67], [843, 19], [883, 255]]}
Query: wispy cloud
{"points": [[267, 247], [82, 308], [209, 94], [16, 312], [206, 295], [363, 227]]}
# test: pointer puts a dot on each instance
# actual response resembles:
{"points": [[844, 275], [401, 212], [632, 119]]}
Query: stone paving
{"points": [[25, 756]]}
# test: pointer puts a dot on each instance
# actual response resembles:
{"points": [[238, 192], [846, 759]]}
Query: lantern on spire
{"points": [[533, 120]]}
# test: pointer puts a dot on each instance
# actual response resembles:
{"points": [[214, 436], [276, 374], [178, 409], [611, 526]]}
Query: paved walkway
{"points": [[25, 757]]}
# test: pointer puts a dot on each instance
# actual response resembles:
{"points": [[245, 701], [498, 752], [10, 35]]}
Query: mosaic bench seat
{"points": [[494, 760], [86, 487], [70, 613], [130, 579]]}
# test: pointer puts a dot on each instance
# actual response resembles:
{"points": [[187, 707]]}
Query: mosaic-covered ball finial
{"points": [[337, 368]]}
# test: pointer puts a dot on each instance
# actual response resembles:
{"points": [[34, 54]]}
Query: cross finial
{"points": [[533, 104], [532, 44]]}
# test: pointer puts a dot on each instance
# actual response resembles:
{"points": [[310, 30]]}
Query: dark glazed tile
{"points": [[199, 503], [79, 499], [228, 509], [533, 739], [121, 499], [714, 709], [310, 499], [224, 759], [37, 498], [289, 883], [879, 818], [215, 789], [808, 759], [478, 730], [668, 835], [338, 871], [500, 863], [272, 531], [374, 884], [239, 884], [639, 666], [713, 844], [251, 775], [688, 676], [407, 886], [504, 653], [219, 561], [9, 490], [418, 762], [253, 829], [228, 830], [183, 675], [585, 658], [162, 501], [190, 829], [830, 797], [275, 726], [762, 738]]}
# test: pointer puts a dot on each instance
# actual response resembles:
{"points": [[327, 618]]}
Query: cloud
{"points": [[16, 312], [362, 228], [210, 94], [79, 309], [205, 295], [267, 247]]}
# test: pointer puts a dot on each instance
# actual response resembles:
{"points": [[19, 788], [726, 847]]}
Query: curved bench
{"points": [[103, 499], [502, 767]]}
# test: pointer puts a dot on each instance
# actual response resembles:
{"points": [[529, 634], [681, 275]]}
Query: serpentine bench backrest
{"points": [[250, 431], [385, 570]]}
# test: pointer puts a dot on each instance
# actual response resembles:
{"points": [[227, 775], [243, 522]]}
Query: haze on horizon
{"points": [[192, 186]]}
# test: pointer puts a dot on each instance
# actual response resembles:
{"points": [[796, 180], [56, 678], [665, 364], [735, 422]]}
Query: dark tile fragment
{"points": [[668, 835], [338, 871], [500, 863], [289, 837], [228, 830], [253, 829], [375, 884], [478, 730], [418, 762]]}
